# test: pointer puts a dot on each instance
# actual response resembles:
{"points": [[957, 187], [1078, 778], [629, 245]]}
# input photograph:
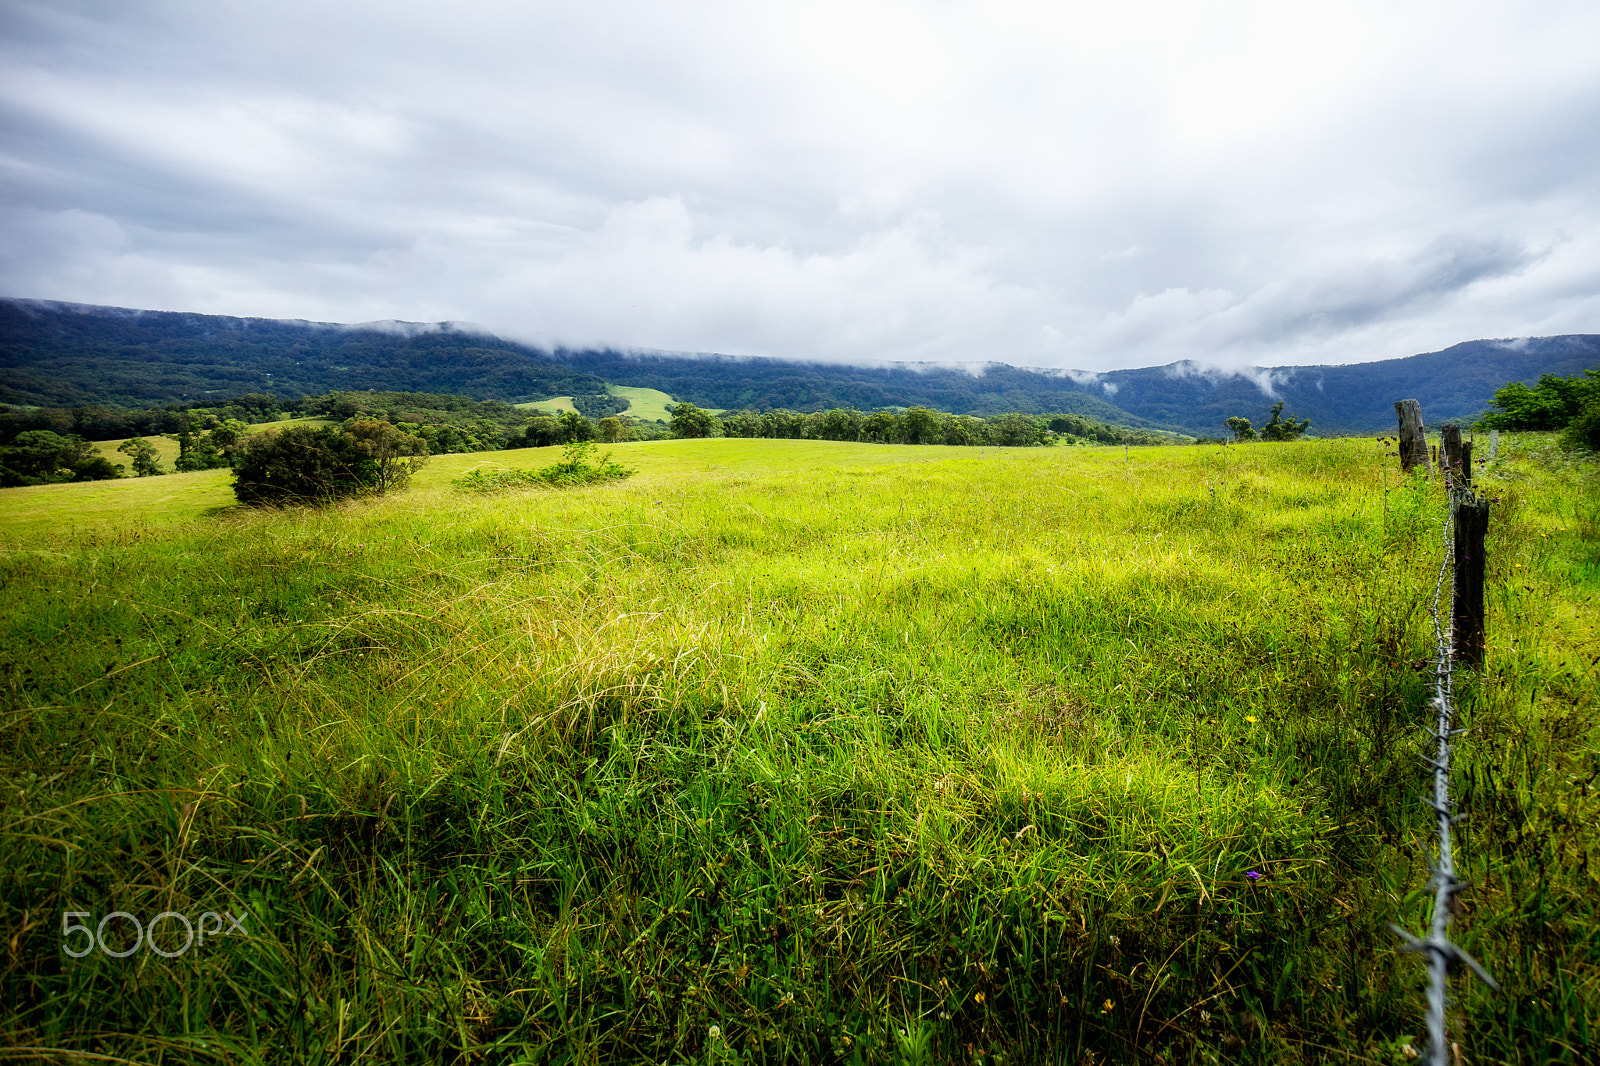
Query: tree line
{"points": [[1569, 404], [45, 445], [915, 425]]}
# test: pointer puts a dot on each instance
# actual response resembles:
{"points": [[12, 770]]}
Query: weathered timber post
{"points": [[1450, 448], [1466, 462], [1413, 444], [1494, 444], [1466, 608]]}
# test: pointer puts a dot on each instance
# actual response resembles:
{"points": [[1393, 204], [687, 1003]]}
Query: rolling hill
{"points": [[57, 354]]}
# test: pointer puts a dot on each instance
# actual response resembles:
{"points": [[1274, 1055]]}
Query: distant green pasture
{"points": [[649, 405], [165, 447], [555, 403]]}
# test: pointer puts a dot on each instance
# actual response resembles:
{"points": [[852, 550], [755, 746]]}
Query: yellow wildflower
{"points": [[1250, 718]]}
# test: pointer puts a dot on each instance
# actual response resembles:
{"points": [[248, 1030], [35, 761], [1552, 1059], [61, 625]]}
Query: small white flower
{"points": [[715, 1032]]}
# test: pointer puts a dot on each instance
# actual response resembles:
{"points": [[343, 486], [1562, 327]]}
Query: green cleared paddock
{"points": [[795, 751]]}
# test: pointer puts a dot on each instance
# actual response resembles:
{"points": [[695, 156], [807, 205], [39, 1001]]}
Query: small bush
{"points": [[320, 464], [578, 466], [1584, 430]]}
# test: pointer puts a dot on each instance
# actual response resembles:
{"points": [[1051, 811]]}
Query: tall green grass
{"points": [[801, 752]]}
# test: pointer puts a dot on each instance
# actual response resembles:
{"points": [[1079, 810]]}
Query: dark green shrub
{"points": [[320, 464], [40, 457], [1584, 430], [575, 427], [691, 421], [1280, 428], [542, 432]]}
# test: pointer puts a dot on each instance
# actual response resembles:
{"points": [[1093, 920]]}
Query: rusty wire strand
{"points": [[1436, 946]]}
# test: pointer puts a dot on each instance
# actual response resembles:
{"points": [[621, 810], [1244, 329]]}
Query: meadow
{"points": [[794, 751], [646, 405]]}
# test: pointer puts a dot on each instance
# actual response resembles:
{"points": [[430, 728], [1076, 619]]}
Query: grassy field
{"points": [[166, 451], [555, 403], [649, 405], [794, 751]]}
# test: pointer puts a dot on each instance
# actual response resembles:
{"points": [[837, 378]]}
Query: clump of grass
{"points": [[578, 466]]}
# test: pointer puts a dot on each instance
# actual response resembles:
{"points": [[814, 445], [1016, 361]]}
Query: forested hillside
{"points": [[65, 355], [764, 384]]}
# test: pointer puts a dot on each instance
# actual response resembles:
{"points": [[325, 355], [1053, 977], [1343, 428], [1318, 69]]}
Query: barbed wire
{"points": [[1437, 947]]}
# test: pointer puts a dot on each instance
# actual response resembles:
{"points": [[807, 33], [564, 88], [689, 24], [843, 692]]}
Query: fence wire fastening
{"points": [[1439, 952]]}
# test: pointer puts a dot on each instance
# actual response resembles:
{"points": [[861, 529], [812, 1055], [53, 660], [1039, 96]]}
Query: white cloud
{"points": [[1082, 185]]}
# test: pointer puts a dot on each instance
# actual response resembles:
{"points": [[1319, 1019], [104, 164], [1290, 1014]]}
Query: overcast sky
{"points": [[1089, 185]]}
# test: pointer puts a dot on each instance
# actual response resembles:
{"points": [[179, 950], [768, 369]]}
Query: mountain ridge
{"points": [[59, 353]]}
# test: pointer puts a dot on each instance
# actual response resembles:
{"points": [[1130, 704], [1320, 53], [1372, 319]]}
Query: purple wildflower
{"points": [[1254, 875]]}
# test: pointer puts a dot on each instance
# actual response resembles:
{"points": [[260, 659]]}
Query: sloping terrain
{"points": [[1454, 384], [67, 354]]}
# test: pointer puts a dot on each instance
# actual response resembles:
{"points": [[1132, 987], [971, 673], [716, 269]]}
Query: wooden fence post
{"points": [[1466, 462], [1450, 448], [1466, 608], [1494, 444], [1413, 444]]}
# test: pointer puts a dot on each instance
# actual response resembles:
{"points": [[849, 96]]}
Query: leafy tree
{"points": [[41, 457], [611, 429], [920, 426], [1016, 431], [1242, 429], [882, 427], [146, 460], [206, 443], [227, 433], [743, 424], [785, 425], [839, 423], [320, 464], [542, 431], [690, 421], [395, 455], [1280, 429], [1554, 403], [575, 427], [1584, 430]]}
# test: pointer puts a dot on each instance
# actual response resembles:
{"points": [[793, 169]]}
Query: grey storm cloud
{"points": [[1072, 185]]}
